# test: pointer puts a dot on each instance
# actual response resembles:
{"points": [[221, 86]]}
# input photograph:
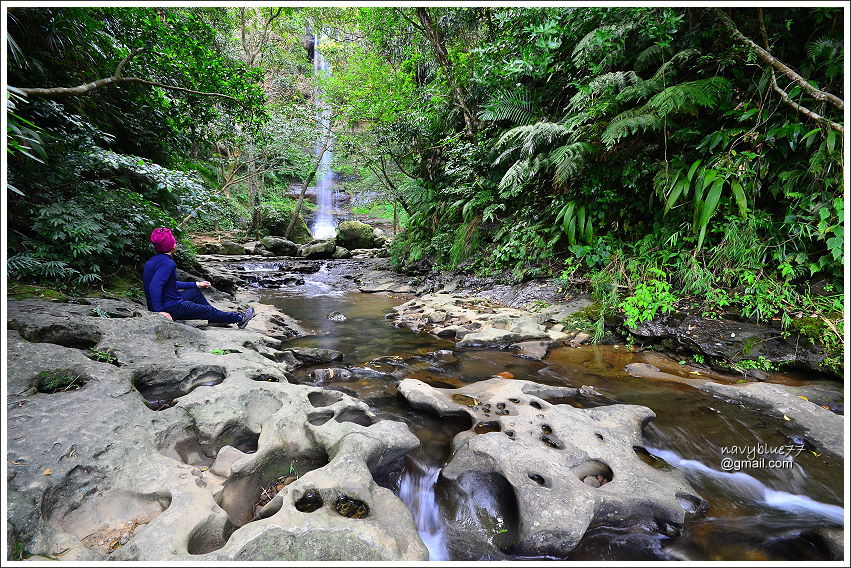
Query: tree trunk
{"points": [[307, 180], [250, 158], [459, 93]]}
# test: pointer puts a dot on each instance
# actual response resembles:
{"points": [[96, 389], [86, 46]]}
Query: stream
{"points": [[763, 513]]}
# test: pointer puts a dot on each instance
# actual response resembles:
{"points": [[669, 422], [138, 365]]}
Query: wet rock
{"points": [[280, 246], [309, 502], [333, 374], [251, 247], [822, 427], [341, 252], [355, 235], [732, 340], [315, 354], [230, 247], [531, 349], [552, 522], [351, 507], [318, 249], [437, 317], [336, 316], [580, 338]]}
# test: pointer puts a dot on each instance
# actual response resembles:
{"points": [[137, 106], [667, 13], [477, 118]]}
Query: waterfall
{"points": [[417, 492], [323, 224]]}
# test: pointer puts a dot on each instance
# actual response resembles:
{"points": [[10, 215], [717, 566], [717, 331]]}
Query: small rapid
{"points": [[749, 489], [417, 493]]}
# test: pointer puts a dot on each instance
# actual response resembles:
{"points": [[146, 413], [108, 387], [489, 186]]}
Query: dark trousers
{"points": [[195, 306]]}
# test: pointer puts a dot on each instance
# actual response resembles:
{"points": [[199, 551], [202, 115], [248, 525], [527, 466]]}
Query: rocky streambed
{"points": [[301, 437]]}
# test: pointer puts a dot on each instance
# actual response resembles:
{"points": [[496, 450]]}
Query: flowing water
{"points": [[323, 223], [753, 514]]}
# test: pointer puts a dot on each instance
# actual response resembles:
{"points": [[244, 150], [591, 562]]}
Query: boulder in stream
{"points": [[548, 471]]}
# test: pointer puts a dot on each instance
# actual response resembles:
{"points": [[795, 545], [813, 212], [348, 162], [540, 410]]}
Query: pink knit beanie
{"points": [[163, 240]]}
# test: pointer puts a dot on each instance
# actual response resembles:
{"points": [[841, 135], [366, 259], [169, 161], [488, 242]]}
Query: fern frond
{"points": [[651, 56], [631, 122], [517, 106], [685, 97], [516, 176], [568, 161], [824, 48]]}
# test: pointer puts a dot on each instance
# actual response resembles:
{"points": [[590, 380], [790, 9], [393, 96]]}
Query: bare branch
{"points": [[116, 78], [776, 64]]}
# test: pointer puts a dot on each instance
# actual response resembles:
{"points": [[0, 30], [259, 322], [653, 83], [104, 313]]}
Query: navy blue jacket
{"points": [[161, 284]]}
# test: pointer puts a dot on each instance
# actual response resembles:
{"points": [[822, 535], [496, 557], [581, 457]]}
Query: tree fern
{"points": [[569, 160], [517, 106], [631, 122], [686, 97], [663, 76], [655, 54], [607, 82]]}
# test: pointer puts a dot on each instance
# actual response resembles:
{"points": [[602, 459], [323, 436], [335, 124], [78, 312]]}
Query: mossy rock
{"points": [[57, 380], [355, 235], [276, 223]]}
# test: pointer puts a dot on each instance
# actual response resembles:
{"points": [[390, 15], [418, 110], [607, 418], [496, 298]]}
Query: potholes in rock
{"points": [[356, 416], [60, 380], [320, 418], [538, 479], [210, 536], [73, 335], [322, 398], [239, 436], [243, 492], [464, 399], [487, 427], [103, 356], [351, 507], [194, 448], [593, 472], [552, 441], [162, 387], [310, 501], [104, 521]]}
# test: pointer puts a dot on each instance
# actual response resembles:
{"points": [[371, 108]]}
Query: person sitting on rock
{"points": [[180, 300]]}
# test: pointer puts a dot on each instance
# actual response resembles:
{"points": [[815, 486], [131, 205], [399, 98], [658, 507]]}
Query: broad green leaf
{"points": [[741, 200]]}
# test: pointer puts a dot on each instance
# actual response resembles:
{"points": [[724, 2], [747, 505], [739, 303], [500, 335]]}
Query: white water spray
{"points": [[417, 492], [751, 488]]}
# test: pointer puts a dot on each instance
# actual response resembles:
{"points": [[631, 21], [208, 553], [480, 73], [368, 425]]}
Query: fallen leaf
{"points": [[505, 375], [694, 372], [826, 407], [803, 397], [48, 471], [786, 418]]}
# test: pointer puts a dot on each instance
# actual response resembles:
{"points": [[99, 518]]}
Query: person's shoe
{"points": [[246, 316]]}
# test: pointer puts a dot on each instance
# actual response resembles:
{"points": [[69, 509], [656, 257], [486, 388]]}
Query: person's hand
{"points": [[167, 316], [203, 284]]}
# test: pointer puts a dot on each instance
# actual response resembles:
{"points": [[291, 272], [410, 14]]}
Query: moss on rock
{"points": [[355, 235]]}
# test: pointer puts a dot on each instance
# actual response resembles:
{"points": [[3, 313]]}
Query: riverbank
{"points": [[170, 421]]}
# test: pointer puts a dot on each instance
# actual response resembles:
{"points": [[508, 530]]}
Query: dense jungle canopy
{"points": [[661, 158]]}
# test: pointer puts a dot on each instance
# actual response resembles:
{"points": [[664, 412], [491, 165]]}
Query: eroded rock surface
{"points": [[553, 469], [105, 469], [482, 323]]}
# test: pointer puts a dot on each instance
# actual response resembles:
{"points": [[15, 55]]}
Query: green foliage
{"points": [[56, 380], [649, 298], [104, 356], [760, 363]]}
